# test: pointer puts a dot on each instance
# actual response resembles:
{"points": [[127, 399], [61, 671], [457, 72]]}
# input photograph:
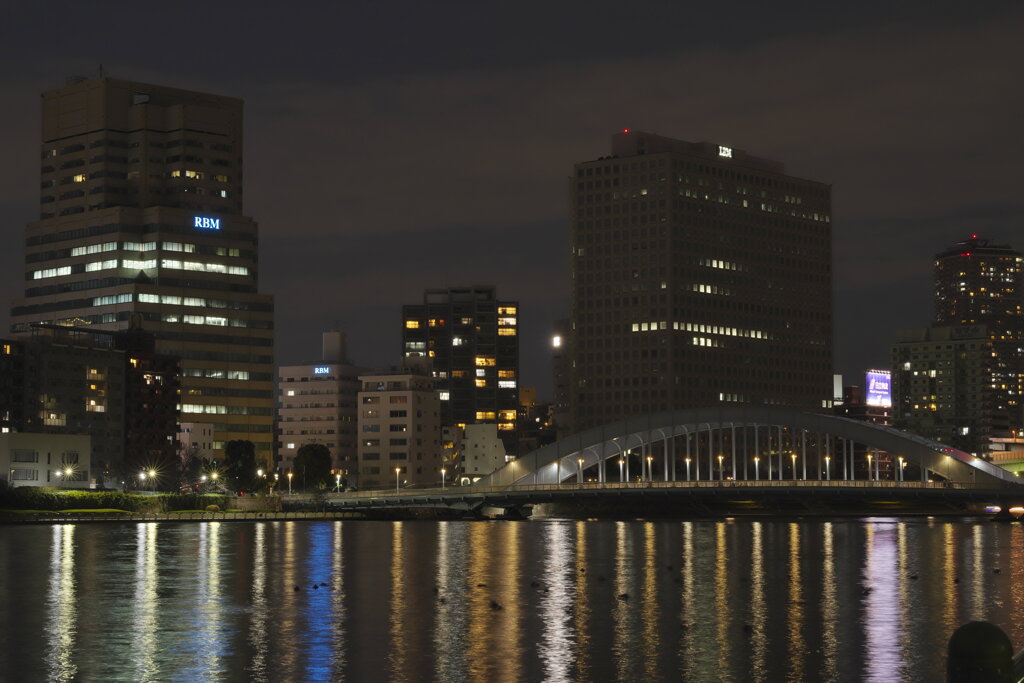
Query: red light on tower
{"points": [[974, 236], [625, 130]]}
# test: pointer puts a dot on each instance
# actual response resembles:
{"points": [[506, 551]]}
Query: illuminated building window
{"points": [[507, 321], [506, 331], [481, 372], [506, 374], [485, 361], [412, 324], [485, 415], [480, 383], [444, 395], [80, 178], [458, 341], [94, 249], [506, 426], [506, 310], [507, 415], [506, 384]]}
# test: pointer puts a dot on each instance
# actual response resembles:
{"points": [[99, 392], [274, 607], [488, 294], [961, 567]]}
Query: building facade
{"points": [[472, 339], [141, 217], [980, 283], [57, 460], [942, 386], [699, 275], [107, 385], [399, 428], [317, 404]]}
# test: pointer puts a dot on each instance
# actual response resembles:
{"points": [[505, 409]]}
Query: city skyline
{"points": [[471, 141]]}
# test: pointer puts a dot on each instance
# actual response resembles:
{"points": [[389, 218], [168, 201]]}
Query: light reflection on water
{"points": [[61, 627], [541, 600]]}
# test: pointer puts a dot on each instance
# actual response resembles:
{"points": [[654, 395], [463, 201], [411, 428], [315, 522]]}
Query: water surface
{"points": [[872, 600]]}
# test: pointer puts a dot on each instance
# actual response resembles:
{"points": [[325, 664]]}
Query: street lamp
{"points": [[290, 475], [688, 469], [621, 462], [650, 470], [579, 462], [903, 473], [152, 480], [398, 471], [142, 480], [337, 483], [721, 470], [869, 467], [793, 456], [443, 472], [828, 470], [757, 468]]}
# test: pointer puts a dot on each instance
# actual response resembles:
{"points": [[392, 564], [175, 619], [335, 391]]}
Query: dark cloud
{"points": [[394, 147]]}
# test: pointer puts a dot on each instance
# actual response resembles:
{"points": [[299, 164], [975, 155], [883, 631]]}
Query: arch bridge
{"points": [[748, 444]]}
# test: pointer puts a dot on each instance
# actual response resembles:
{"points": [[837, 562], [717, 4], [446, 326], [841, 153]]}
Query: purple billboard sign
{"points": [[878, 389]]}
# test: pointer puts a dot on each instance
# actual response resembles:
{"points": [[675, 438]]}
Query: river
{"points": [[734, 600]]}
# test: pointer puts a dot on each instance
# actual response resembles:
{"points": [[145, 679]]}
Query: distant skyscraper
{"points": [[978, 283], [473, 341], [141, 215], [967, 390], [700, 275]]}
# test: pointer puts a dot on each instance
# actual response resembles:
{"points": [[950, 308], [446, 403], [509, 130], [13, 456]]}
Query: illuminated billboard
{"points": [[878, 393]]}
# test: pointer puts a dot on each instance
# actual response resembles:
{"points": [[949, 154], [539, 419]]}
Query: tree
{"points": [[240, 465], [312, 466]]}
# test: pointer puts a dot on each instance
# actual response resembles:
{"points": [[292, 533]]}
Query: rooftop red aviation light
{"points": [[625, 130]]}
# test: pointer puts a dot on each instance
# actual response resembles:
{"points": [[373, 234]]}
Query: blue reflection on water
{"points": [[317, 612]]}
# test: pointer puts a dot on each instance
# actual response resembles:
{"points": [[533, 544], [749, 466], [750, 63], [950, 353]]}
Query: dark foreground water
{"points": [[514, 601]]}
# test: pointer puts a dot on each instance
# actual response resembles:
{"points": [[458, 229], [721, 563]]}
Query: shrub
{"points": [[213, 508]]}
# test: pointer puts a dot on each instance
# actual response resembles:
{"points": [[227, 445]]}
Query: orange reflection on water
{"points": [[950, 600], [725, 654], [758, 610], [509, 618], [624, 625], [687, 616], [483, 666], [797, 646], [399, 648], [651, 640], [829, 605]]}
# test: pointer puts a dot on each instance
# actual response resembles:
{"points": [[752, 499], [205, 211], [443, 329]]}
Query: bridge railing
{"points": [[459, 491]]}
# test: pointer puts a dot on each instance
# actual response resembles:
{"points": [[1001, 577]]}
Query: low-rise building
{"points": [[399, 427], [317, 405], [59, 460]]}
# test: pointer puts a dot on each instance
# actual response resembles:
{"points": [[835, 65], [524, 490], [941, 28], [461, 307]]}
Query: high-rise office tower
{"points": [[472, 339], [700, 276], [141, 216]]}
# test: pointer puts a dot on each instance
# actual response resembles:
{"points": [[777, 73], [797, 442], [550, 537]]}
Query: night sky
{"points": [[394, 146]]}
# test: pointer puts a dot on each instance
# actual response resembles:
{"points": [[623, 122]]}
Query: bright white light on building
{"points": [[725, 152], [556, 341]]}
